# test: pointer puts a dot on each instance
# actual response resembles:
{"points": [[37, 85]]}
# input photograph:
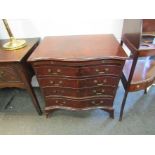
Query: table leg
{"points": [[123, 105], [34, 99]]}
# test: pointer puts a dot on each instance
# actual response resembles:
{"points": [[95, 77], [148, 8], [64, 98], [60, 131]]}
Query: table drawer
{"points": [[79, 103], [8, 74], [85, 92], [78, 83]]}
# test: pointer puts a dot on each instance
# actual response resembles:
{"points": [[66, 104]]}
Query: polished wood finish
{"points": [[17, 55], [74, 48], [138, 72], [144, 74], [75, 83], [148, 25], [15, 71], [78, 72]]}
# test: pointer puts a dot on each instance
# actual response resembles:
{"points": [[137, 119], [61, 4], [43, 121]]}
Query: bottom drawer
{"points": [[79, 103]]}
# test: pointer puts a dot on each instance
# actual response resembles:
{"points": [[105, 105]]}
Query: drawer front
{"points": [[101, 70], [78, 71], [85, 92], [78, 63], [92, 102], [8, 74], [56, 71], [78, 83]]}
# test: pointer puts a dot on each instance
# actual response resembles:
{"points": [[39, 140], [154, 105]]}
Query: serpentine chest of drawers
{"points": [[78, 72]]}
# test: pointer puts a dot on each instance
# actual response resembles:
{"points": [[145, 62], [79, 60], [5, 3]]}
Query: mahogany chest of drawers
{"points": [[78, 72]]}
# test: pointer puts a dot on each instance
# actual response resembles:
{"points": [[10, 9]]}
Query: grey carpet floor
{"points": [[20, 116]]}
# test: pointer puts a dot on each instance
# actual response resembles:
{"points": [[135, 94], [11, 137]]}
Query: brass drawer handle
{"points": [[101, 72], [106, 69], [58, 70], [101, 102], [105, 81], [95, 81], [100, 84], [1, 74], [49, 70], [56, 101], [103, 90], [57, 84], [55, 73], [97, 70], [51, 82], [94, 103], [103, 61], [99, 93], [60, 82], [138, 86], [62, 104]]}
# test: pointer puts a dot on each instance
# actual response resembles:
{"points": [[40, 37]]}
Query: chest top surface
{"points": [[78, 48], [16, 55]]}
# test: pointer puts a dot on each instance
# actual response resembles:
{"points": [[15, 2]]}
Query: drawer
{"points": [[8, 74], [85, 92], [78, 63], [76, 83], [56, 71], [137, 87], [101, 70], [114, 70], [81, 103]]}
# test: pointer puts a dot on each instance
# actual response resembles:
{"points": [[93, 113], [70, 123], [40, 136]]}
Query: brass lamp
{"points": [[13, 44]]}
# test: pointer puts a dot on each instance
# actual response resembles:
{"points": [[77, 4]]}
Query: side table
{"points": [[15, 72]]}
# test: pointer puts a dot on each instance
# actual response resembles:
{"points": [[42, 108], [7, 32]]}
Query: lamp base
{"points": [[14, 44]]}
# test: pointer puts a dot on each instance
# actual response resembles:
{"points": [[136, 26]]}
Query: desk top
{"points": [[17, 55], [78, 48]]}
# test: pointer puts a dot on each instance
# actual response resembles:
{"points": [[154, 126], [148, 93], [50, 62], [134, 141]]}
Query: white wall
{"points": [[35, 27]]}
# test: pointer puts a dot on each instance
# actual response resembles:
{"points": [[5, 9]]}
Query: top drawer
{"points": [[78, 71], [8, 74], [78, 63]]}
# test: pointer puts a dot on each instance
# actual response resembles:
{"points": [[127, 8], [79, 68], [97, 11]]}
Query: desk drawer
{"points": [[8, 74], [78, 83], [80, 103], [85, 92]]}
